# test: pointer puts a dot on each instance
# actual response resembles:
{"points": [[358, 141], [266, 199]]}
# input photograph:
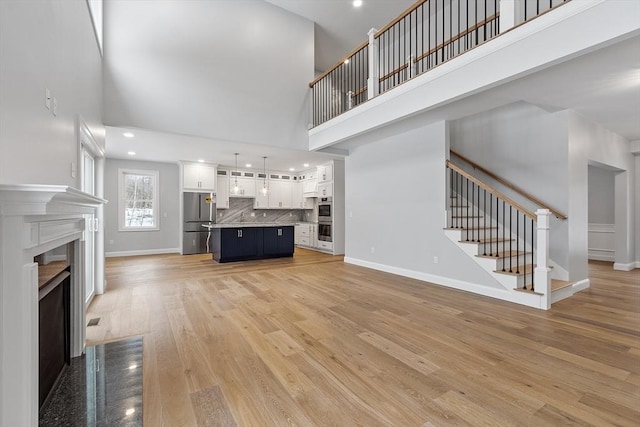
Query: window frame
{"points": [[155, 175]]}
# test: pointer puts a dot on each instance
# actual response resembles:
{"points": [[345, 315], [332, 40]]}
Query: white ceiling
{"points": [[340, 27], [170, 148]]}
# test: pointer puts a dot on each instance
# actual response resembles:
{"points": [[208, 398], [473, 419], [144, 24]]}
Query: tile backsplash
{"points": [[240, 210]]}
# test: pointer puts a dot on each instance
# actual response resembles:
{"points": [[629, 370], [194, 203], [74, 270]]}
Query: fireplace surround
{"points": [[35, 219]]}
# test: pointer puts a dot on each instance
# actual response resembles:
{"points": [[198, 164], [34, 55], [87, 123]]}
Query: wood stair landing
{"points": [[559, 284]]}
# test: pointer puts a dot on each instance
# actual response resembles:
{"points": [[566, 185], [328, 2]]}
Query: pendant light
{"points": [[264, 190], [236, 189]]}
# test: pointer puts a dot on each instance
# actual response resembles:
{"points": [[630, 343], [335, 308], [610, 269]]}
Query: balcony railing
{"points": [[428, 34]]}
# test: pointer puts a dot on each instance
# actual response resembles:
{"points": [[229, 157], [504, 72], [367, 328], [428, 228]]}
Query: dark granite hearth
{"points": [[101, 388]]}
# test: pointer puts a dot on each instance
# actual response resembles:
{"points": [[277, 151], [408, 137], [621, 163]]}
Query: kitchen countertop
{"points": [[248, 224]]}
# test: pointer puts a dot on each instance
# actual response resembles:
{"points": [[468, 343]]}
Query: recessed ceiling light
{"points": [[248, 165], [201, 160], [131, 153], [357, 3], [132, 367], [292, 169], [306, 165], [129, 411], [346, 61], [128, 135]]}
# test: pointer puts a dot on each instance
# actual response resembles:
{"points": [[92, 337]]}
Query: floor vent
{"points": [[93, 322]]}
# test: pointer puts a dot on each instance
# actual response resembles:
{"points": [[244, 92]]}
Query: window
{"points": [[138, 200]]}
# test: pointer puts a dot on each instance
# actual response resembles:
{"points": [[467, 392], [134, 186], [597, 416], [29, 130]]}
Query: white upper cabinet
{"points": [[246, 184], [296, 195], [325, 189], [280, 190], [262, 200], [198, 177], [222, 192], [325, 172]]}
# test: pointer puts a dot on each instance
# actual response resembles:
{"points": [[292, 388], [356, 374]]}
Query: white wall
{"points": [[46, 44], [637, 209], [172, 66], [526, 146], [166, 239], [395, 204], [601, 195], [601, 213], [590, 143]]}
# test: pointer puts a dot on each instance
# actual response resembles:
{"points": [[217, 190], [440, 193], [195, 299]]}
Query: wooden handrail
{"points": [[360, 91], [492, 190], [400, 17], [441, 46], [515, 188], [339, 63], [457, 36]]}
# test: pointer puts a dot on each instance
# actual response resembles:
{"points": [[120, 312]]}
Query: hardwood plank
{"points": [[211, 408], [311, 340]]}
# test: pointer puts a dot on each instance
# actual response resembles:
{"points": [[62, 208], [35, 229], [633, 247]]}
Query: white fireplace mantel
{"points": [[33, 220]]}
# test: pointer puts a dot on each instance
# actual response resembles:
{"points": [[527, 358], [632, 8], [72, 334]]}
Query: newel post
{"points": [[374, 70], [507, 14], [542, 280]]}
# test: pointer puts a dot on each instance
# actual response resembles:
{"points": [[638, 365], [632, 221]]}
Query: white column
{"points": [[507, 14], [99, 251], [374, 70], [542, 280]]}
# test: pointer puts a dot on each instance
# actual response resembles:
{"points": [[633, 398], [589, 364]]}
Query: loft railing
{"points": [[342, 87], [510, 185], [502, 228], [433, 32], [426, 35]]}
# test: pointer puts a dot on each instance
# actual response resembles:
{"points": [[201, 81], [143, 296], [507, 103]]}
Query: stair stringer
{"points": [[509, 283]]}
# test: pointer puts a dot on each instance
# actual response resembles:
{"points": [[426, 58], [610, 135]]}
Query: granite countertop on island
{"points": [[248, 224]]}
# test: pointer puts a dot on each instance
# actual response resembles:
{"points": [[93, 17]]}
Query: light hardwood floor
{"points": [[313, 341]]}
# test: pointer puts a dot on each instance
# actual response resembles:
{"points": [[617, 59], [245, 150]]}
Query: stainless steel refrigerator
{"points": [[199, 210]]}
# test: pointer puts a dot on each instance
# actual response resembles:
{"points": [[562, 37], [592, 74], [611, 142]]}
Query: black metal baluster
{"points": [[473, 192], [484, 217], [524, 252], [491, 219], [510, 245], [504, 226], [467, 198], [518, 247]]}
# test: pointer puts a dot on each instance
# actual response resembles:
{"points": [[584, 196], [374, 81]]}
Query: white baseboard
{"points": [[597, 254], [581, 285], [52, 258], [626, 267], [143, 252], [530, 300]]}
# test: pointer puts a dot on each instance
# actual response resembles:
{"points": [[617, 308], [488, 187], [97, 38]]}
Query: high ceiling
{"points": [[340, 27]]}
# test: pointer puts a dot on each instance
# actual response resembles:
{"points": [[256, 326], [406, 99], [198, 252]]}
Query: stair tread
{"points": [[522, 270], [559, 284], [502, 255]]}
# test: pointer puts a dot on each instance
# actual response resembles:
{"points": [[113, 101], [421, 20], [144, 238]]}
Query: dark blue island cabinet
{"points": [[248, 243]]}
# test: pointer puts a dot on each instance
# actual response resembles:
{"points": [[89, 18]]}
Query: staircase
{"points": [[506, 239]]}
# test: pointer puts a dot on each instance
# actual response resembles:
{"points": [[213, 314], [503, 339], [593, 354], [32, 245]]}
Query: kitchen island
{"points": [[249, 241]]}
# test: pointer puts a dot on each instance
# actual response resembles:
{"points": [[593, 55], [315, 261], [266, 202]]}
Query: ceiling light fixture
{"points": [[128, 135], [346, 61], [236, 189], [306, 165], [292, 169], [248, 165], [357, 3], [131, 153], [200, 160], [265, 189]]}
